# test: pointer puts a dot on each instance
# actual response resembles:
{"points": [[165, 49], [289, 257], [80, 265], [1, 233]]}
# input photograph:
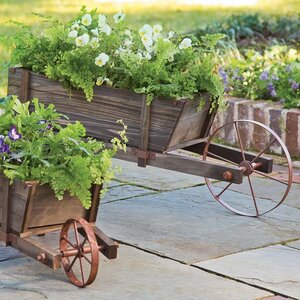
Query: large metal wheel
{"points": [[260, 192], [78, 241]]}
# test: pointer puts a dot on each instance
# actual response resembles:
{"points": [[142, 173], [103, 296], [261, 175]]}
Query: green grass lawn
{"points": [[179, 18]]}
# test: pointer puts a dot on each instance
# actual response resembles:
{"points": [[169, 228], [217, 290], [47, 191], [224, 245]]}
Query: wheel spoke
{"points": [[240, 141], [81, 270], [86, 258], [68, 242], [76, 233], [270, 177], [71, 265], [253, 195], [228, 185], [222, 158], [258, 155], [82, 244]]}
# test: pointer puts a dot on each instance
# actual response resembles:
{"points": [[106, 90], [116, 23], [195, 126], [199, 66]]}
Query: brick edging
{"points": [[285, 122]]}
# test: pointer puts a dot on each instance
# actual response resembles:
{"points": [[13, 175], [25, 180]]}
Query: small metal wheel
{"points": [[78, 241], [262, 190]]}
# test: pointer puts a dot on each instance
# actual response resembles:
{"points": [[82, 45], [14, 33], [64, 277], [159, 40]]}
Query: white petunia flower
{"points": [[139, 55], [73, 34], [101, 20], [82, 40], [148, 56], [157, 29], [128, 32], [86, 20], [156, 36], [95, 31], [186, 43], [101, 59], [75, 25], [101, 80], [171, 34], [105, 29], [118, 17], [146, 30], [147, 40], [128, 43], [94, 42]]}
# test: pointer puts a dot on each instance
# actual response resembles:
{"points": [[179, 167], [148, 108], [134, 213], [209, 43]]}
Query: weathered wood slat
{"points": [[187, 165], [144, 131], [190, 123], [48, 210], [4, 199], [34, 206], [33, 248], [233, 155], [171, 122]]}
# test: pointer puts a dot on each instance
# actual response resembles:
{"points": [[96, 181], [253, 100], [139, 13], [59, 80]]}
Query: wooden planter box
{"points": [[28, 208], [165, 125]]}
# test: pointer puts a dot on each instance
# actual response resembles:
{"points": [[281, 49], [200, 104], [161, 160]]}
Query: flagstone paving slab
{"points": [[134, 275], [114, 183], [123, 192], [8, 253], [295, 244], [189, 226], [274, 267], [268, 189], [155, 178], [10, 293]]}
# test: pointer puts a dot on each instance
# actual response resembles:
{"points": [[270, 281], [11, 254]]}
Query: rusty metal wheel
{"points": [[78, 241], [261, 191]]}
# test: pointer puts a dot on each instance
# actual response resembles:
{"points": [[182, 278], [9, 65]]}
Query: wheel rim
{"points": [[78, 242], [221, 191]]}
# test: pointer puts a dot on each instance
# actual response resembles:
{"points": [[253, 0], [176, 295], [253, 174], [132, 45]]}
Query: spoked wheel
{"points": [[79, 251], [260, 192]]}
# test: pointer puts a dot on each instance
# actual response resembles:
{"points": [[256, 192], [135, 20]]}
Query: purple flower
{"points": [[264, 75], [4, 148], [288, 68], [294, 84], [48, 125], [13, 134], [224, 77], [271, 89], [236, 75], [275, 78]]}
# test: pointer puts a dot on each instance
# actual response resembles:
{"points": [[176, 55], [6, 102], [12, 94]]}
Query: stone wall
{"points": [[285, 122]]}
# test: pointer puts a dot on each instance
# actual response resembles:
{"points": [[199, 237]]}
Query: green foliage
{"points": [[257, 29], [273, 75], [145, 61], [51, 154]]}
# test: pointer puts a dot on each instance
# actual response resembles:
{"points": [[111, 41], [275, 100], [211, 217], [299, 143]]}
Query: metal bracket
{"points": [[144, 154]]}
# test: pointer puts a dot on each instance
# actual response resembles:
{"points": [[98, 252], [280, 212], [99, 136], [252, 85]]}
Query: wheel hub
{"points": [[246, 167]]}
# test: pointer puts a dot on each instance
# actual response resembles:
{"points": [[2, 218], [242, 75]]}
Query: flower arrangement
{"points": [[33, 146], [273, 75], [91, 50]]}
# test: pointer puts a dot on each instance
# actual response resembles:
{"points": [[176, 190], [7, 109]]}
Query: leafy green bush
{"points": [[33, 146], [89, 51], [258, 30], [273, 75]]}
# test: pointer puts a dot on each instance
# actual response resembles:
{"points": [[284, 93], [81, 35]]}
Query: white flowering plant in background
{"points": [[94, 50]]}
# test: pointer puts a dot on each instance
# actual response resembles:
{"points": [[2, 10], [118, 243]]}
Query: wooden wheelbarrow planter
{"points": [[153, 132], [157, 129], [28, 209]]}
